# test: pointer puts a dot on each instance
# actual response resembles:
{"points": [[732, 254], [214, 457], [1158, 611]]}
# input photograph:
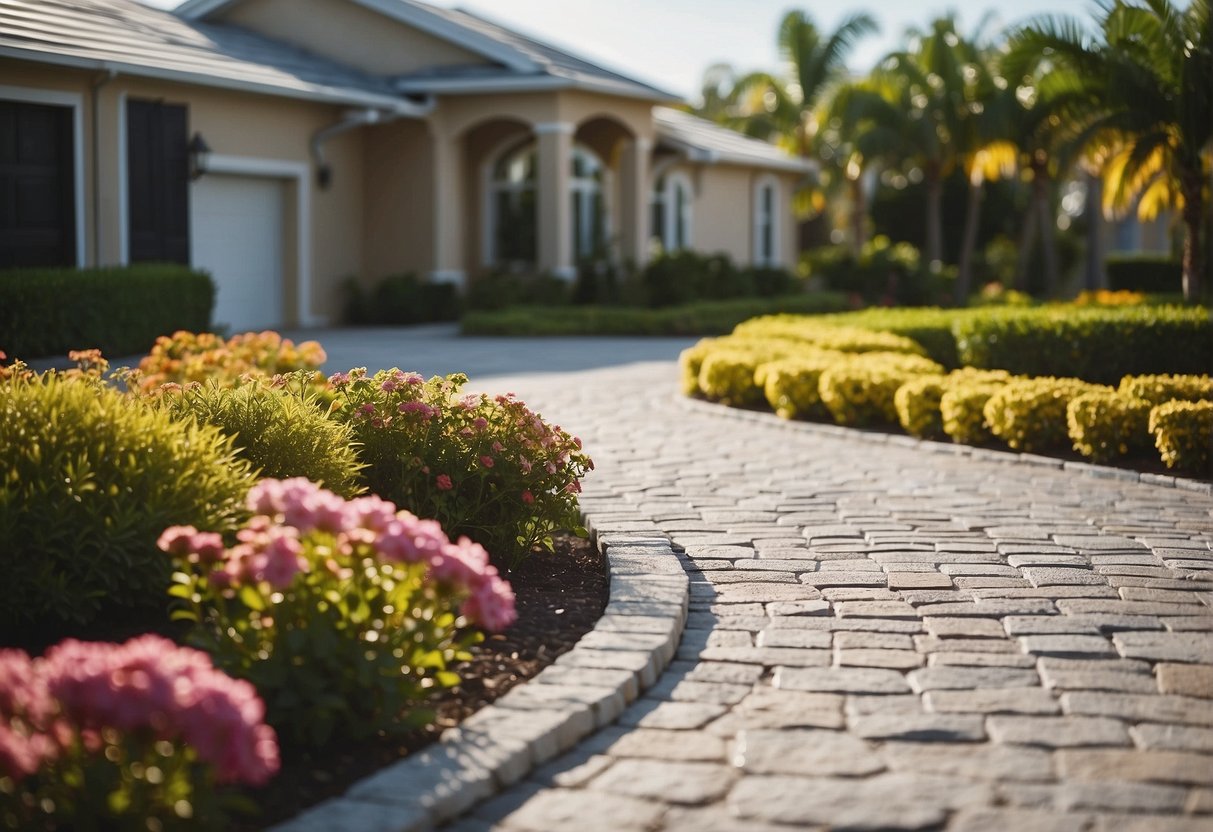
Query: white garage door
{"points": [[237, 233]]}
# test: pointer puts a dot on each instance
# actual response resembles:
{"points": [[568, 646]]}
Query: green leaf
{"points": [[251, 598]]}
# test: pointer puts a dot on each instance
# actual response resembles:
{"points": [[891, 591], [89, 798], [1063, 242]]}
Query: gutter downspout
{"points": [[108, 74], [352, 120]]}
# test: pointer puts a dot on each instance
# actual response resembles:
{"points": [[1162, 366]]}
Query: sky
{"points": [[670, 43]]}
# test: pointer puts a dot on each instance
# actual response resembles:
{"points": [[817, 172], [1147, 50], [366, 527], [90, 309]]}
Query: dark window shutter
{"points": [[37, 186], [157, 181]]}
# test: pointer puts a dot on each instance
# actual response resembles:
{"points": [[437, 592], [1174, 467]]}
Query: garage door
{"points": [[237, 235]]}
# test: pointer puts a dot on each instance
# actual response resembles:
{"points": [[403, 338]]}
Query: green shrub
{"points": [[860, 390], [91, 477], [488, 468], [917, 405], [400, 300], [790, 385], [1151, 273], [885, 273], [283, 434], [962, 410], [1105, 425], [1161, 389], [1095, 344], [690, 360], [930, 328], [813, 331], [1030, 414], [685, 276], [1183, 434], [500, 290], [728, 376], [119, 310]]}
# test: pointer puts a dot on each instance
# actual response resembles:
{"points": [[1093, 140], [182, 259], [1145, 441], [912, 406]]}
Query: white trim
{"points": [[530, 83], [544, 127], [328, 95], [124, 219], [775, 260], [75, 101], [675, 179], [300, 173]]}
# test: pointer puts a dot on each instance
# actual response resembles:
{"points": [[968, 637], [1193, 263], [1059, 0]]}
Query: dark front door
{"points": [[37, 186], [158, 181]]}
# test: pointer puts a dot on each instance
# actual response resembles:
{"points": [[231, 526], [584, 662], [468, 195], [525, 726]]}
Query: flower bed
{"points": [[339, 612]]}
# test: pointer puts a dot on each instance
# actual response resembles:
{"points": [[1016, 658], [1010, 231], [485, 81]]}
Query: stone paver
{"points": [[954, 640]]}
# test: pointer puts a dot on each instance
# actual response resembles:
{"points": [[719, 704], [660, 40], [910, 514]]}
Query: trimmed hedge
{"points": [[817, 332], [1030, 414], [791, 384], [861, 391], [119, 310], [1161, 389], [962, 410], [1183, 434], [1098, 345], [1105, 425], [401, 299]]}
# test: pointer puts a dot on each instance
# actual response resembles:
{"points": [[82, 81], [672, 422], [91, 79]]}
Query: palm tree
{"points": [[1143, 99]]}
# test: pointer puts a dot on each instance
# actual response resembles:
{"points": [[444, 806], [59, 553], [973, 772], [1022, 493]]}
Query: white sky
{"points": [[671, 42]]}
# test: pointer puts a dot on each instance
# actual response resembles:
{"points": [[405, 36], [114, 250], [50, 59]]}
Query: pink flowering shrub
{"points": [[484, 467], [125, 736], [343, 614]]}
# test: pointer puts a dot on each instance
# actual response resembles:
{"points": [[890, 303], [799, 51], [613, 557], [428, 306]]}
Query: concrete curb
{"points": [[585, 689], [985, 454]]}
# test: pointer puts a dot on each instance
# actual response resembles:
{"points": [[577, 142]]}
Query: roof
{"points": [[521, 62], [706, 141], [126, 36]]}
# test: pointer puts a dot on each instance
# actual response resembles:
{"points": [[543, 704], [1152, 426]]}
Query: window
{"points": [[37, 182], [671, 212], [514, 205], [157, 163], [766, 222]]}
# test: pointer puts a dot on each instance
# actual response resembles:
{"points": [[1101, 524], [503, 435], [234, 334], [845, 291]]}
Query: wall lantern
{"points": [[199, 155]]}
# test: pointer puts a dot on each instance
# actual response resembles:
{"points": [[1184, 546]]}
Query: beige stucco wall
{"points": [[365, 39], [398, 220]]}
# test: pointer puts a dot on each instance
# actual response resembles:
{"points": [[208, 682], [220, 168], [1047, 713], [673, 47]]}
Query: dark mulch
{"points": [[560, 598]]}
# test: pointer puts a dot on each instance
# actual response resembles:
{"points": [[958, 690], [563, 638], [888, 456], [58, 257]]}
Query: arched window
{"points": [[671, 207], [766, 222], [513, 200]]}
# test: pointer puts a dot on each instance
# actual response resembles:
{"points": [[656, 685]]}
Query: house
{"points": [[285, 145]]}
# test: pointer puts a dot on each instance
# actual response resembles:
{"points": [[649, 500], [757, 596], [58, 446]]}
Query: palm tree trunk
{"points": [[1193, 216], [934, 216], [964, 277], [1048, 233], [1094, 275], [1027, 240], [859, 213]]}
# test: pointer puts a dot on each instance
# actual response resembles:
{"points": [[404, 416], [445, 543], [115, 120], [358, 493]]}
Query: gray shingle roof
{"points": [[132, 38], [706, 141]]}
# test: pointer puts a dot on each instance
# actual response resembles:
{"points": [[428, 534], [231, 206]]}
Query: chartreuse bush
{"points": [[90, 477], [962, 409], [1161, 389], [485, 467], [790, 385], [1099, 345], [919, 400], [1030, 414], [816, 332], [929, 327], [282, 432], [1104, 425], [120, 310], [344, 615], [860, 390], [690, 361], [1183, 434]]}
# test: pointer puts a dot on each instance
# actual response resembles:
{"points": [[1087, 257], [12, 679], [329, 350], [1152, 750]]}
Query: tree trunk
{"points": [[1193, 215], [1048, 233], [964, 277], [934, 217], [859, 213], [1027, 241], [1094, 272]]}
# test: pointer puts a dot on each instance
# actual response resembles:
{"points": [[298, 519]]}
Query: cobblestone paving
{"points": [[883, 638]]}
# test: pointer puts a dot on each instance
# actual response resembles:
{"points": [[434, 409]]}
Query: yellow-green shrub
{"points": [[791, 384], [813, 330], [1183, 434], [860, 391], [728, 376], [962, 410], [1030, 414], [1106, 425], [690, 360], [917, 405], [1162, 389]]}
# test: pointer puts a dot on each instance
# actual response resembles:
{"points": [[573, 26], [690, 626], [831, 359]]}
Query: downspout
{"points": [[351, 121], [108, 74]]}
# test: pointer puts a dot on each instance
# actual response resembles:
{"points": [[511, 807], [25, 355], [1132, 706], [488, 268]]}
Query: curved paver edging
{"points": [[585, 689], [987, 454]]}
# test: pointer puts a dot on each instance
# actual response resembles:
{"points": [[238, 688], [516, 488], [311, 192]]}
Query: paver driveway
{"points": [[884, 638]]}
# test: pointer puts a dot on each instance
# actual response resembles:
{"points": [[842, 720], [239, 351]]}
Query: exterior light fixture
{"points": [[199, 156]]}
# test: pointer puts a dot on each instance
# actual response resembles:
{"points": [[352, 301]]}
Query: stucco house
{"points": [[285, 145]]}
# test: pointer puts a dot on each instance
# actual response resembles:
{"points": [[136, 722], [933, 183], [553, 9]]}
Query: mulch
{"points": [[559, 599]]}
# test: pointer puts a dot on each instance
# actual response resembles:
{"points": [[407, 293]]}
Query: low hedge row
{"points": [[119, 310]]}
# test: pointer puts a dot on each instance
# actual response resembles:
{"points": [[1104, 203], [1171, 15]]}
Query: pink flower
{"points": [[444, 483], [176, 540], [528, 497], [491, 605], [339, 380], [480, 423], [486, 461]]}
